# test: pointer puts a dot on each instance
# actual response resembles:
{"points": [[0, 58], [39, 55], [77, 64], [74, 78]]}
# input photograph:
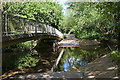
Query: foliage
{"points": [[64, 36], [47, 12], [115, 55], [91, 36], [18, 59], [93, 20], [27, 61], [25, 46]]}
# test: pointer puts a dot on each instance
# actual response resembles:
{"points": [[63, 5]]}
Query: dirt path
{"points": [[102, 68]]}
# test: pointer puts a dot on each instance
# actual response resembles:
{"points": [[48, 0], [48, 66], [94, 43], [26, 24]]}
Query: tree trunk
{"points": [[119, 40], [116, 18], [119, 31]]}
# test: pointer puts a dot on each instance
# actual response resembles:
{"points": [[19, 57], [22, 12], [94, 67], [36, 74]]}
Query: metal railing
{"points": [[19, 25]]}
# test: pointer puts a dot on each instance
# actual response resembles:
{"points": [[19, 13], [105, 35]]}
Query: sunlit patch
{"points": [[21, 77], [91, 76], [31, 76], [104, 56], [111, 68], [73, 67], [90, 73], [28, 75], [116, 77], [39, 70], [47, 76]]}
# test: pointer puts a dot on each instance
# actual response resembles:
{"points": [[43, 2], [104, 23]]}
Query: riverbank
{"points": [[102, 67], [77, 52], [80, 42], [84, 42]]}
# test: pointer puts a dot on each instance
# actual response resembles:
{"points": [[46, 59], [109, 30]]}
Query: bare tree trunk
{"points": [[117, 21], [119, 39], [118, 31]]}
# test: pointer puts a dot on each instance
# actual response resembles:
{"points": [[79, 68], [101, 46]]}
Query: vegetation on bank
{"points": [[115, 55], [24, 46], [92, 20], [18, 60]]}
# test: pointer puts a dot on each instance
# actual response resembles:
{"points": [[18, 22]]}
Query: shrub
{"points": [[115, 55], [64, 36]]}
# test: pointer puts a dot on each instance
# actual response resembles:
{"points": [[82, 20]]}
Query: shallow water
{"points": [[77, 58], [74, 58], [70, 45]]}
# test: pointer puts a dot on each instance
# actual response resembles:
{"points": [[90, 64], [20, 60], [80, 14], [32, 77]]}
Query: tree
{"points": [[47, 12], [96, 19]]}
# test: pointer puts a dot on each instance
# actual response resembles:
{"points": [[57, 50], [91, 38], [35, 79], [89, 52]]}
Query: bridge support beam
{"points": [[46, 44], [14, 39]]}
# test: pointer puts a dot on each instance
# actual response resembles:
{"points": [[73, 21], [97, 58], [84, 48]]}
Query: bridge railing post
{"points": [[31, 27], [54, 30], [28, 26], [46, 27], [36, 27], [22, 24], [25, 29], [42, 26]]}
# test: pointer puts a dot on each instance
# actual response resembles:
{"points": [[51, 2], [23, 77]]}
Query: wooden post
{"points": [[6, 24], [58, 59], [22, 20], [24, 26], [35, 27], [31, 28], [42, 28], [46, 28]]}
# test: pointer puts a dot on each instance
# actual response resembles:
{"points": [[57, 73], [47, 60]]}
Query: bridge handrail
{"points": [[27, 26]]}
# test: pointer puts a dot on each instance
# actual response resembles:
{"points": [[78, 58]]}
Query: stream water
{"points": [[42, 60], [76, 58]]}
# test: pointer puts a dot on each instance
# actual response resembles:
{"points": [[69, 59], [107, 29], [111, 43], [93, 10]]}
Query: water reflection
{"points": [[34, 61], [70, 45], [72, 64], [43, 59], [76, 58]]}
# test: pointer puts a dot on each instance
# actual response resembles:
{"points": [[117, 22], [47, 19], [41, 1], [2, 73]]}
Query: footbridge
{"points": [[18, 29]]}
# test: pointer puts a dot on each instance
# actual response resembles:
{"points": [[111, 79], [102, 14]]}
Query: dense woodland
{"points": [[85, 20]]}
